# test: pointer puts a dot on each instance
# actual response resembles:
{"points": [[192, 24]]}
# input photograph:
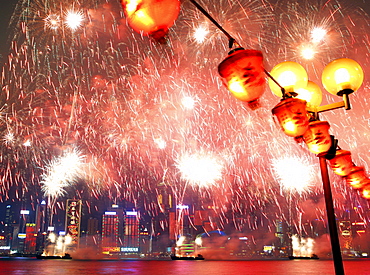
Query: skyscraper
{"points": [[8, 226], [131, 236], [73, 222], [41, 226], [30, 241], [112, 229]]}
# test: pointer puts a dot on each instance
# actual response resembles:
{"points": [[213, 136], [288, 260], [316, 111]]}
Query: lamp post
{"points": [[340, 77]]}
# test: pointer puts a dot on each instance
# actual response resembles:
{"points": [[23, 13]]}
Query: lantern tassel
{"points": [[330, 154]]}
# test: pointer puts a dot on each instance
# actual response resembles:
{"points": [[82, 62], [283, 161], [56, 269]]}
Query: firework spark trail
{"points": [[118, 97], [60, 173]]}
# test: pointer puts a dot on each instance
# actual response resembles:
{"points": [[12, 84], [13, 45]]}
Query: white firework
{"points": [[61, 172]]}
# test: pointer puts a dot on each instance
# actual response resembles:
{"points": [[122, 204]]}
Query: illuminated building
{"points": [[41, 213], [345, 232], [164, 198], [8, 225], [112, 229], [279, 231], [92, 234], [20, 231], [73, 221], [92, 226], [360, 233], [30, 240], [131, 236], [145, 242]]}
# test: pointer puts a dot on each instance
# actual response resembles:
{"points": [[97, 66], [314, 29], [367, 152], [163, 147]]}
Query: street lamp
{"points": [[340, 77]]}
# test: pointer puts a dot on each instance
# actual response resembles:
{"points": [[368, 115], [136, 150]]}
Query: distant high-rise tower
{"points": [[30, 241], [131, 236], [41, 226], [73, 221], [112, 229], [92, 233], [346, 234], [41, 217], [279, 231], [92, 226], [8, 225]]}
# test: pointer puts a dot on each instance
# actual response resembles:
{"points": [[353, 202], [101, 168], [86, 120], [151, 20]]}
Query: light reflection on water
{"points": [[20, 266]]}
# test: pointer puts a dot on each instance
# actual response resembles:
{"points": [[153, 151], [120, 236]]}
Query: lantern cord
{"points": [[232, 41], [277, 83]]}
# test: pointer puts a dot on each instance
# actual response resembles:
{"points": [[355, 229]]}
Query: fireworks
{"points": [[73, 19], [60, 173], [144, 113], [200, 169], [293, 173], [302, 247]]}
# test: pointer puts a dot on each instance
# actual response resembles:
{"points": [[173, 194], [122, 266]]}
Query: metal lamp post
{"points": [[340, 77]]}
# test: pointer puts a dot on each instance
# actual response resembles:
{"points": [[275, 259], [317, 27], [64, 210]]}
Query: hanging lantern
{"points": [[365, 192], [317, 137], [151, 17], [342, 76], [243, 74], [312, 94], [290, 75], [341, 164], [356, 178], [292, 116]]}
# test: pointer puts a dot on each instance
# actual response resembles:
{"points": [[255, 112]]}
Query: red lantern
{"points": [[292, 116], [341, 164], [317, 137], [357, 178], [243, 74], [151, 17], [365, 192]]}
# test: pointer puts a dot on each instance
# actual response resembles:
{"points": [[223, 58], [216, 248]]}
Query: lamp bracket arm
{"points": [[327, 107]]}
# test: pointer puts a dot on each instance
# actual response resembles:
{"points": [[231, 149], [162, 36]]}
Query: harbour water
{"points": [[30, 266]]}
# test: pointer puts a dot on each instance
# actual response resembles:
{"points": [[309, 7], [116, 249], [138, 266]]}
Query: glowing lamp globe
{"points": [[365, 192], [151, 17], [317, 137], [312, 94], [356, 178], [342, 163], [292, 116], [342, 76], [242, 72], [290, 75]]}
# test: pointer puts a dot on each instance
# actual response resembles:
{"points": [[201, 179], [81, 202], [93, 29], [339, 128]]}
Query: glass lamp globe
{"points": [[312, 94], [290, 75], [342, 76]]}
